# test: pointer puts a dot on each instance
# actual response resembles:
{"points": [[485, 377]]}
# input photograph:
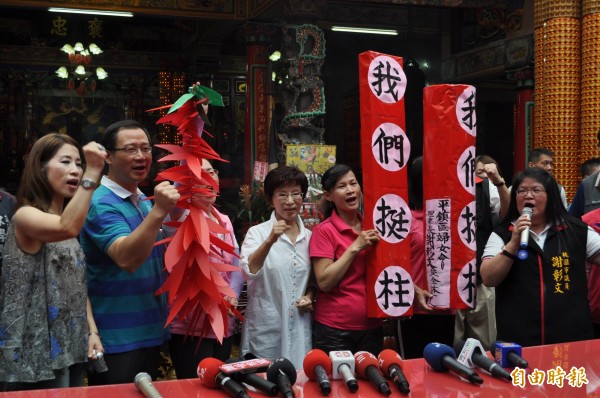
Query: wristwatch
{"points": [[502, 182], [88, 184]]}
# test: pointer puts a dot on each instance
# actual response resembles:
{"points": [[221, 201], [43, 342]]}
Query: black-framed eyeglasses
{"points": [[133, 150], [534, 191]]}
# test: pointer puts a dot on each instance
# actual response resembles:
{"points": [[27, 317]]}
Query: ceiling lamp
{"points": [[389, 32], [80, 57], [101, 73], [91, 12], [94, 49], [275, 56]]}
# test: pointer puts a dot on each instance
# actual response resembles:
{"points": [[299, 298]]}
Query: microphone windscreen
{"points": [[527, 210], [387, 358], [313, 358], [283, 364], [364, 359], [434, 353], [208, 369]]}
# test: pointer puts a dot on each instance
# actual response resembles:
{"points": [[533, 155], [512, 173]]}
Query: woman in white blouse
{"points": [[277, 268]]}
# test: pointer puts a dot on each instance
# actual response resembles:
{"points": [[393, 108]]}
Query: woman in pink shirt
{"points": [[338, 249]]}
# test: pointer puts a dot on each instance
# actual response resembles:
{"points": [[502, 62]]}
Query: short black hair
{"points": [[589, 166], [109, 138], [284, 176], [537, 153]]}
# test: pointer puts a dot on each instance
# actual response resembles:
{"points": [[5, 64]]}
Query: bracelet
{"points": [[93, 334], [508, 254], [502, 182]]}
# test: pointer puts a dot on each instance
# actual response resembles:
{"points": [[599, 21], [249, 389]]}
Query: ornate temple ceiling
{"points": [[204, 30], [237, 9], [229, 14]]}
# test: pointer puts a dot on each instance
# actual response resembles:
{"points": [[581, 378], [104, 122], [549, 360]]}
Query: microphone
{"points": [[212, 377], [509, 355], [283, 373], [343, 368], [527, 211], [143, 382], [317, 366], [443, 358], [367, 367], [391, 365], [471, 353], [252, 379]]}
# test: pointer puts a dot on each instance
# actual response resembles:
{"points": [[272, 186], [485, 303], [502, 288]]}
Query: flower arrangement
{"points": [[254, 205]]}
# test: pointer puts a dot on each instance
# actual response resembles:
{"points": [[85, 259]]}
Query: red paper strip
{"points": [[385, 150], [449, 193]]}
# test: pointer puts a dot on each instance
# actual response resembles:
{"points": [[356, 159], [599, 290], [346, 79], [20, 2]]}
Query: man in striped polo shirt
{"points": [[124, 267]]}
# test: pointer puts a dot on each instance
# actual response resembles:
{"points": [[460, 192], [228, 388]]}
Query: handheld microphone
{"points": [[212, 377], [317, 366], [367, 367], [283, 373], [509, 355], [343, 368], [527, 211], [143, 382], [471, 353], [391, 365], [252, 379], [442, 358]]}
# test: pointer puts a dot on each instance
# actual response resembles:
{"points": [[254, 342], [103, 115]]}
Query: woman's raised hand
{"points": [[95, 156]]}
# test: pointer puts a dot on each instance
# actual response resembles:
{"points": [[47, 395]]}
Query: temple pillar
{"points": [[522, 138], [590, 79], [558, 83], [256, 138], [303, 91]]}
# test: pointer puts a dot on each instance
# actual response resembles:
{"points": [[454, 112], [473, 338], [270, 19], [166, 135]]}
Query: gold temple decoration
{"points": [[557, 91], [590, 78]]}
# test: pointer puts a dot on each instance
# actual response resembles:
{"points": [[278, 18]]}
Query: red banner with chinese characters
{"points": [[449, 130], [385, 150]]}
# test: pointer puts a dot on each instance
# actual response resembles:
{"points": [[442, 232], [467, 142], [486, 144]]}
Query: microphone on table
{"points": [[522, 254], [212, 377], [143, 382], [252, 379], [317, 366], [367, 367], [471, 353], [391, 365], [509, 355], [343, 364], [283, 373], [442, 358]]}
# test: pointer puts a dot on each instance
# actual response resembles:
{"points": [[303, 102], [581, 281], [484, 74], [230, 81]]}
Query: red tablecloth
{"points": [[424, 382]]}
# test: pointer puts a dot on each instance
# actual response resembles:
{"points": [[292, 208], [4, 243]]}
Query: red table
{"points": [[424, 382]]}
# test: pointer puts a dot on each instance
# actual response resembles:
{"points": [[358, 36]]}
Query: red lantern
{"points": [[87, 59], [72, 58], [71, 84], [78, 59], [93, 85]]}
